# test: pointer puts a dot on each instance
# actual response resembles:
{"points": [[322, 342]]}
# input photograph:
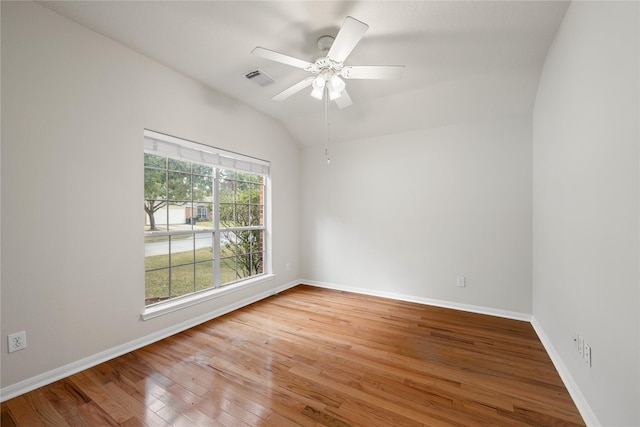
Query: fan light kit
{"points": [[329, 71]]}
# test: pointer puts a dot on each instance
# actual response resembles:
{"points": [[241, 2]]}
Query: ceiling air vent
{"points": [[259, 77]]}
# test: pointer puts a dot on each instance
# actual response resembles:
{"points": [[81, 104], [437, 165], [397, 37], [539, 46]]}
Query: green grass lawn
{"points": [[183, 280]]}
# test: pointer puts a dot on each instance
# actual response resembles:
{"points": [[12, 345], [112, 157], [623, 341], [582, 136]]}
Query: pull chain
{"points": [[326, 121]]}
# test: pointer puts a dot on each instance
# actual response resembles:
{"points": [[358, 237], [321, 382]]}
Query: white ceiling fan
{"points": [[329, 70]]}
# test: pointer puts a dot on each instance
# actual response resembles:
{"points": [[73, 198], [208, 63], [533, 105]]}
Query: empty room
{"points": [[356, 213]]}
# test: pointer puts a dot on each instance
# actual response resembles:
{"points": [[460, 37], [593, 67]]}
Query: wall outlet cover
{"points": [[17, 341], [581, 346], [587, 355]]}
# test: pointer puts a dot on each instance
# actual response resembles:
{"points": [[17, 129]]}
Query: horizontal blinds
{"points": [[188, 151]]}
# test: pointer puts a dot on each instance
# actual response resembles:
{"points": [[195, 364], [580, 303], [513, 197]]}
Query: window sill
{"points": [[187, 301]]}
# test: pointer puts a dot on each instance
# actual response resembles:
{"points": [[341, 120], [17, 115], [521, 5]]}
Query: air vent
{"points": [[259, 77]]}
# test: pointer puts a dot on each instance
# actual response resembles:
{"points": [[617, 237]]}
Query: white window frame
{"points": [[189, 151]]}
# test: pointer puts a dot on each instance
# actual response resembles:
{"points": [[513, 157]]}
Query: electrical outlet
{"points": [[581, 345], [17, 341], [587, 355], [460, 282]]}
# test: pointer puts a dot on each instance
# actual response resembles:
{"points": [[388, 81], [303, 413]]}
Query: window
{"points": [[204, 218], [242, 225], [202, 212]]}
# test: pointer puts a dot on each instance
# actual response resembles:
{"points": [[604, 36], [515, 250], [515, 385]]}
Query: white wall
{"points": [[74, 106], [585, 199], [401, 214], [406, 214]]}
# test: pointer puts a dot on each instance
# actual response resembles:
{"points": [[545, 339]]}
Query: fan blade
{"points": [[294, 89], [348, 37], [344, 100], [383, 72], [281, 57]]}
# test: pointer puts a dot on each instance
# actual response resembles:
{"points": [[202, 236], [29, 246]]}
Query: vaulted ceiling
{"points": [[465, 60]]}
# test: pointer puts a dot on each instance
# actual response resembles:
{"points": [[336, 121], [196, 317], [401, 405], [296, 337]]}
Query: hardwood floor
{"points": [[315, 357]]}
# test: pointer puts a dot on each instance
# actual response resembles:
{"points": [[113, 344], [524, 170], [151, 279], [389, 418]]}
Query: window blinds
{"points": [[181, 149]]}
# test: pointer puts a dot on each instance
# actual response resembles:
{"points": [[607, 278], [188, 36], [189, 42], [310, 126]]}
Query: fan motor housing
{"points": [[326, 63]]}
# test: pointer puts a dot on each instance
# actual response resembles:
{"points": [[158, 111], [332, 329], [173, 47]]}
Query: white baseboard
{"points": [[427, 301], [49, 377], [578, 398], [91, 361], [581, 403]]}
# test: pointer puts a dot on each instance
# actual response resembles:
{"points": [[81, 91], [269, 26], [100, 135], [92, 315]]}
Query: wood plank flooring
{"points": [[318, 358]]}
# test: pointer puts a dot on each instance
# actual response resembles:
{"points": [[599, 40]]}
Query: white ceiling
{"points": [[464, 60]]}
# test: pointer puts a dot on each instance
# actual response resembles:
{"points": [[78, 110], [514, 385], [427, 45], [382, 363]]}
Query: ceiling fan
{"points": [[329, 70]]}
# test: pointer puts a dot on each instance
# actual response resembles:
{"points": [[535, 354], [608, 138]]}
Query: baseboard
{"points": [[49, 377], [284, 287], [581, 403], [578, 398], [427, 301]]}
